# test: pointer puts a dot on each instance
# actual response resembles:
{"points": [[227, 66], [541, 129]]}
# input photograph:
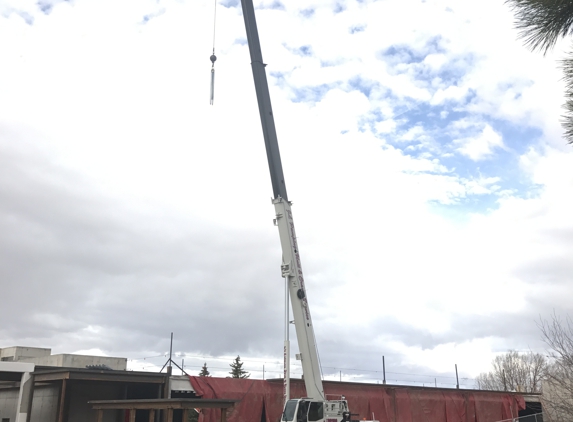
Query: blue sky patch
{"points": [[45, 7], [305, 50], [363, 85], [339, 7], [441, 133], [29, 19], [518, 137], [401, 54], [329, 63], [279, 79], [230, 3], [462, 210], [405, 54], [150, 16], [453, 71], [462, 207], [275, 5], [357, 28], [311, 93]]}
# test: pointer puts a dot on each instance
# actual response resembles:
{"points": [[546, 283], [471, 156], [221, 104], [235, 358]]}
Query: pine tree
{"points": [[193, 416], [204, 372], [541, 23], [237, 370]]}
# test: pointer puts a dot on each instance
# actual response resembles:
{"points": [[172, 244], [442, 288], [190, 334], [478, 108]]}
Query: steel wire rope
{"points": [[277, 362], [362, 380], [396, 373], [148, 357], [214, 23], [213, 57]]}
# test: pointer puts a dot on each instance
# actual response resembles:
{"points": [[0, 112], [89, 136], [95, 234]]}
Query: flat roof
{"points": [[47, 374]]}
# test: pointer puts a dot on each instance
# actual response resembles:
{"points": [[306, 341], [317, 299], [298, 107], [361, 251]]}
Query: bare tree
{"points": [[514, 371], [558, 384]]}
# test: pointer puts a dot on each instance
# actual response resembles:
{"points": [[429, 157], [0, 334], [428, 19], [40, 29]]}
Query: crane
{"points": [[315, 407]]}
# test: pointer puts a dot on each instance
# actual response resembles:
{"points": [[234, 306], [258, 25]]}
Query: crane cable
{"points": [[213, 57]]}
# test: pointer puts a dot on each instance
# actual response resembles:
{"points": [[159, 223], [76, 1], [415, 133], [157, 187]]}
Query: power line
{"points": [[296, 364]]}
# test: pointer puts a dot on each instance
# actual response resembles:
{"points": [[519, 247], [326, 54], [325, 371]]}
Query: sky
{"points": [[422, 149]]}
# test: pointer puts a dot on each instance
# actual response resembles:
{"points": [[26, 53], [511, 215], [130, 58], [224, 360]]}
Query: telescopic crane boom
{"points": [[315, 407], [291, 266]]}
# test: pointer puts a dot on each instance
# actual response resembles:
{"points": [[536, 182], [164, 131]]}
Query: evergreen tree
{"points": [[193, 416], [237, 370], [204, 372], [541, 23]]}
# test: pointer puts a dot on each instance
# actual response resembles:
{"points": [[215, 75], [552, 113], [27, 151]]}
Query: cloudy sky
{"points": [[421, 146]]}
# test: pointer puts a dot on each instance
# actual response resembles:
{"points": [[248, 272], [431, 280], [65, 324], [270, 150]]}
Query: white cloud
{"points": [[481, 146], [113, 158], [450, 93], [386, 126]]}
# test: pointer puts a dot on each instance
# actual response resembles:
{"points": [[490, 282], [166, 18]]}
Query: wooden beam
{"points": [[163, 404], [100, 415], [152, 415], [91, 375], [170, 415], [132, 413], [223, 415], [51, 376], [62, 405], [185, 417], [31, 399]]}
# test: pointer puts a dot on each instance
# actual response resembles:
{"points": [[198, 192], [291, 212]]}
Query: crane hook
{"points": [[213, 59]]}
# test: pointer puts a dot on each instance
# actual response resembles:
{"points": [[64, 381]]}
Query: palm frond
{"points": [[542, 22]]}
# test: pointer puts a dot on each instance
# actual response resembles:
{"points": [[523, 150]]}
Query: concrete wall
{"points": [[16, 353], [9, 403], [43, 357], [47, 397], [45, 403], [79, 361]]}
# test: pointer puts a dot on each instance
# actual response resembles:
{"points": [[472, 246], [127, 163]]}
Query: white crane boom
{"points": [[291, 267], [292, 270], [314, 407]]}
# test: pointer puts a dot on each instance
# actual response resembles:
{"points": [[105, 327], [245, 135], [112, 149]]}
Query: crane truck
{"points": [[315, 407]]}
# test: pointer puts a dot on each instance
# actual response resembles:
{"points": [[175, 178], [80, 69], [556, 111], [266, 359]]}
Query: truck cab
{"points": [[309, 410]]}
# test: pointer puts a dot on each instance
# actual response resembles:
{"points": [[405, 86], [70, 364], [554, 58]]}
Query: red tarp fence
{"points": [[263, 401]]}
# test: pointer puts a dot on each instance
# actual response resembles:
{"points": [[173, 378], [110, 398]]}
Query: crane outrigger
{"points": [[315, 407]]}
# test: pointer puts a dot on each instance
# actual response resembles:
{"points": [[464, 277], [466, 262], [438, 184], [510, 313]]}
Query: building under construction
{"points": [[62, 388]]}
